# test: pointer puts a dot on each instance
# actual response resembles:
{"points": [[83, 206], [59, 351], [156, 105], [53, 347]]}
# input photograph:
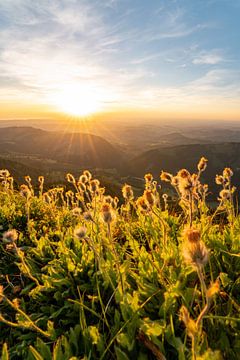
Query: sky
{"points": [[148, 58]]}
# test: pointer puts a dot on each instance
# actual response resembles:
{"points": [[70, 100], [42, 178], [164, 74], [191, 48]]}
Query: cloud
{"points": [[208, 58]]}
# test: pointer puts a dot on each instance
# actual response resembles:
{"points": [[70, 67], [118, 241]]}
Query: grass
{"points": [[84, 276]]}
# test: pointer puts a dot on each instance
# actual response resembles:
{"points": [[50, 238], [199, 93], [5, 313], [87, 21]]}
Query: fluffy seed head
{"points": [[70, 178], [4, 173], [148, 177], [127, 192], [142, 204], [83, 179], [25, 191], [76, 211], [225, 194], [87, 174], [195, 253], [81, 186], [149, 197], [165, 176], [219, 179], [94, 185], [80, 232], [202, 164], [227, 173], [192, 235], [10, 236], [87, 216], [107, 215], [183, 174]]}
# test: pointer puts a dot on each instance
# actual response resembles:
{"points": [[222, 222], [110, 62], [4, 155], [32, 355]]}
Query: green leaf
{"points": [[35, 353], [121, 355]]}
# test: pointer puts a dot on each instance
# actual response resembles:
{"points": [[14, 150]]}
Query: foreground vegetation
{"points": [[84, 276]]}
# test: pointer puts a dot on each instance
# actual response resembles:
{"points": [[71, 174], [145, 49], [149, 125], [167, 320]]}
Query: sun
{"points": [[78, 101]]}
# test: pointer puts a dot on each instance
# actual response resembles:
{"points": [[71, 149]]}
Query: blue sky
{"points": [[121, 54]]}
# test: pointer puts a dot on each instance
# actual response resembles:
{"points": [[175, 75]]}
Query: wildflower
{"points": [[94, 185], [202, 164], [47, 198], [83, 179], [28, 179], [142, 204], [80, 232], [213, 290], [190, 324], [41, 180], [88, 216], [10, 236], [165, 176], [70, 178], [148, 177], [192, 235], [25, 191], [4, 173], [127, 192], [195, 253], [219, 179], [165, 197], [87, 174], [107, 214], [76, 211], [225, 194], [183, 174], [174, 181], [227, 173], [149, 197], [81, 186]]}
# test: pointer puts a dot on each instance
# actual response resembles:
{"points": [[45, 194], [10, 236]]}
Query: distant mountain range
{"points": [[82, 150], [27, 150], [173, 158]]}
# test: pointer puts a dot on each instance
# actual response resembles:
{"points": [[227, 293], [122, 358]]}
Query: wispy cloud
{"points": [[208, 58], [125, 55]]}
